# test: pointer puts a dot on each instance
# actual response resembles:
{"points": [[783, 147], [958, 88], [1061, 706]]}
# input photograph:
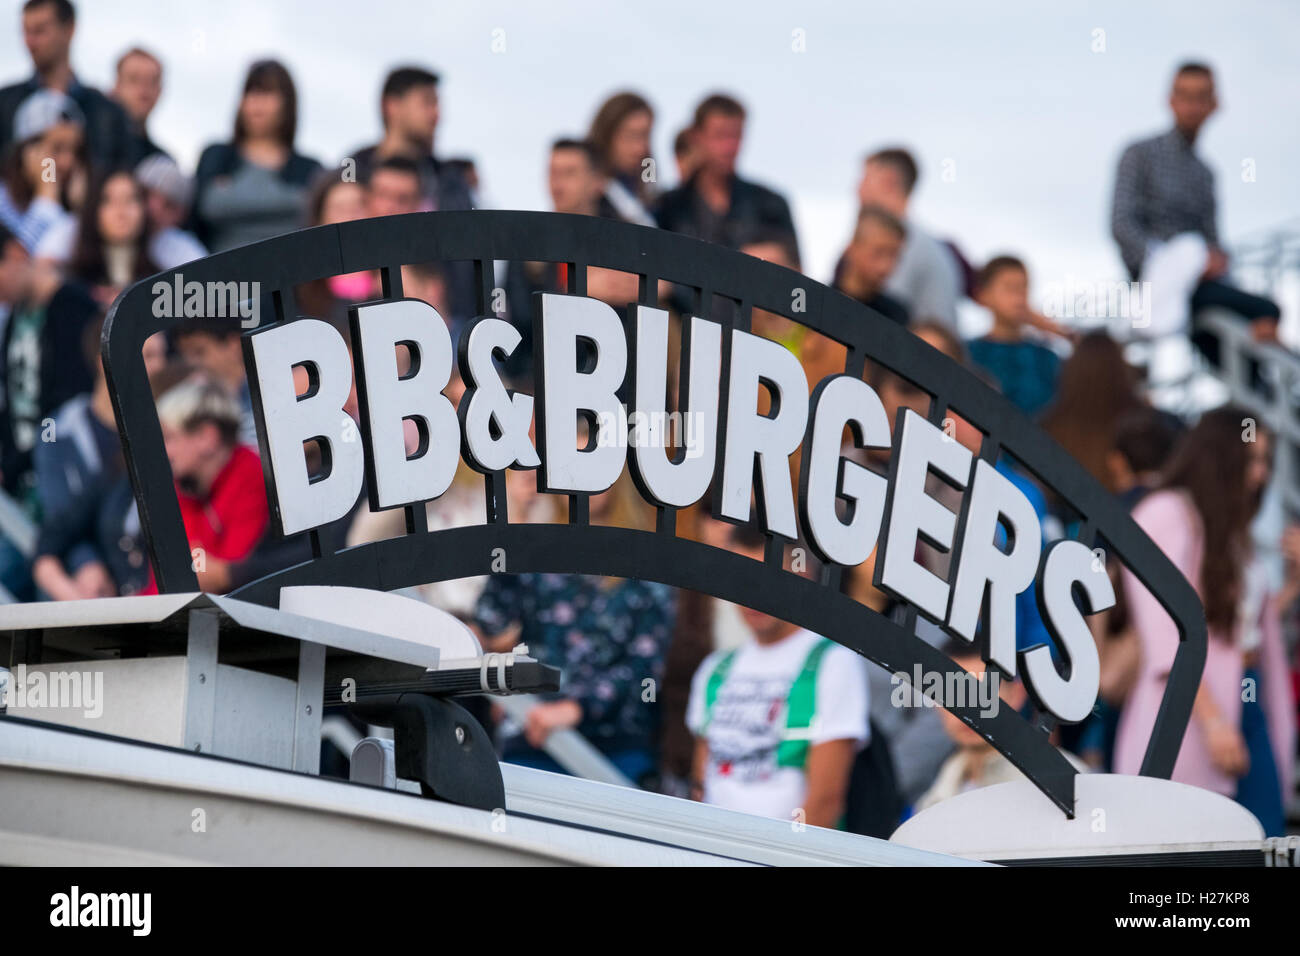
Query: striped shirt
{"points": [[30, 224]]}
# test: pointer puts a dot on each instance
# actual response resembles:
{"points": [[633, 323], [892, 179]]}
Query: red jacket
{"points": [[230, 521]]}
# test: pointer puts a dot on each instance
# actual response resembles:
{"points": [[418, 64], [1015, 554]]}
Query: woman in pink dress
{"points": [[1241, 738]]}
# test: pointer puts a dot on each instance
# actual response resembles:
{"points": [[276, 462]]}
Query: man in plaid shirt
{"points": [[1163, 189]]}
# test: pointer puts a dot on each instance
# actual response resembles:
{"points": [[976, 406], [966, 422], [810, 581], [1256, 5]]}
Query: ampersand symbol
{"points": [[493, 421]]}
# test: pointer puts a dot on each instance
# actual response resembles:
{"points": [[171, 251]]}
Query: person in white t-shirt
{"points": [[778, 720]]}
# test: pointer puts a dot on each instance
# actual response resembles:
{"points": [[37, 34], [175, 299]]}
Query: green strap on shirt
{"points": [[716, 680], [801, 705]]}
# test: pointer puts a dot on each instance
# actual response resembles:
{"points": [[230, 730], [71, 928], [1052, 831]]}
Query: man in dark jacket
{"points": [[48, 26], [409, 108], [138, 87], [715, 204], [89, 543], [43, 363]]}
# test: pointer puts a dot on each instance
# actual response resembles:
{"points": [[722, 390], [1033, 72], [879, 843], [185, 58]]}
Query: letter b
{"points": [[286, 421], [388, 399]]}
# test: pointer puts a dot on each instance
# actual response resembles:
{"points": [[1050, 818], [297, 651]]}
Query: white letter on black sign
{"points": [[838, 401], [1066, 564], [683, 481], [387, 398], [564, 392], [286, 421], [981, 562], [755, 360], [921, 447], [486, 400]]}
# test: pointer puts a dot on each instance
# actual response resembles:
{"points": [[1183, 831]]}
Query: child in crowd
{"points": [[1025, 370], [779, 720]]}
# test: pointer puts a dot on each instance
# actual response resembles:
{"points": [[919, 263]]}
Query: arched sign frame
{"points": [[279, 265]]}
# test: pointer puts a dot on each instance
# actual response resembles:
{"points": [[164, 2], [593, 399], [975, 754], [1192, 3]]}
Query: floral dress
{"points": [[607, 635]]}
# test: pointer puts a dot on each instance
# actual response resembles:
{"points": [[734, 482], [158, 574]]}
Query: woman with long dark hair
{"points": [[1241, 738], [112, 246], [1096, 388], [620, 137], [253, 187]]}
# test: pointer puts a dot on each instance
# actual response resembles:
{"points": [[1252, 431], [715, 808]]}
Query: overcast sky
{"points": [[1015, 99]]}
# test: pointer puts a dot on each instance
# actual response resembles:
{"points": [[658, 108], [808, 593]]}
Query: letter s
{"points": [[1071, 699]]}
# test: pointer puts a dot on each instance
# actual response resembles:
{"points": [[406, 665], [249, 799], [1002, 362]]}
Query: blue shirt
{"points": [[1026, 372], [1030, 629]]}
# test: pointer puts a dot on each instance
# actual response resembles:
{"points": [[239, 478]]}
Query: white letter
{"points": [[285, 421], [841, 400], [1066, 564], [486, 399], [386, 399], [755, 360], [981, 562], [920, 447], [141, 916], [564, 391], [682, 480]]}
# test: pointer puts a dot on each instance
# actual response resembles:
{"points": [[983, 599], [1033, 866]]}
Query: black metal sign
{"points": [[747, 459]]}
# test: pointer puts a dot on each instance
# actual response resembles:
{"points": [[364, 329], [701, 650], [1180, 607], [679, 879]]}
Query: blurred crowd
{"points": [[682, 693]]}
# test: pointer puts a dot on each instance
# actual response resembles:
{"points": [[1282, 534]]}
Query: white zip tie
{"points": [[501, 660]]}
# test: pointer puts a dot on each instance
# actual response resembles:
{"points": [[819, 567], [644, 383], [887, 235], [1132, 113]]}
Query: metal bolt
{"points": [[309, 710], [460, 734], [203, 678]]}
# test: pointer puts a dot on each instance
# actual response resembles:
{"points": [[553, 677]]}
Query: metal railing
{"points": [[567, 747], [1265, 379], [1269, 261]]}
